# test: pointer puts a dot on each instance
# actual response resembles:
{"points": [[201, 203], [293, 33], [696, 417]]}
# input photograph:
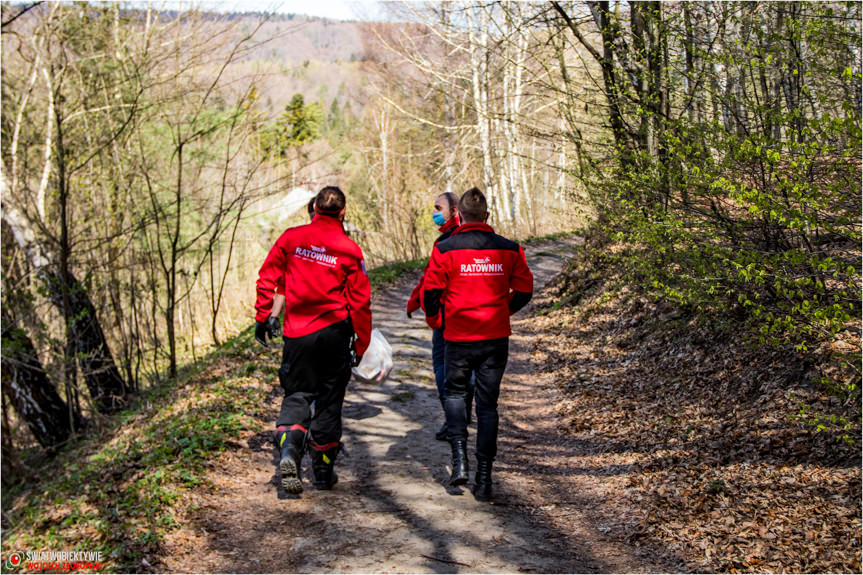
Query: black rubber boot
{"points": [[482, 480], [460, 468], [323, 463], [291, 451]]}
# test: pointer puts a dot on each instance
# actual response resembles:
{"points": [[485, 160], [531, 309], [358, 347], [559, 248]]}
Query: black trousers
{"points": [[486, 361], [316, 369]]}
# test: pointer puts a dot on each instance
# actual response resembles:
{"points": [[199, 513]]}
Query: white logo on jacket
{"points": [[482, 267], [317, 255]]}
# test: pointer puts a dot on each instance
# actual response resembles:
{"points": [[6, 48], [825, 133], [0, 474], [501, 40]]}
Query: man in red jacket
{"points": [[327, 300], [478, 279]]}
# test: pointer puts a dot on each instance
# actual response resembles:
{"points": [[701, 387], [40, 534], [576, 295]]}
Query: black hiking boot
{"points": [[441, 433], [460, 467], [290, 445], [323, 462], [482, 480]]}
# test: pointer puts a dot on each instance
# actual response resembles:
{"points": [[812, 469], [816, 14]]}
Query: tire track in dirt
{"points": [[392, 510]]}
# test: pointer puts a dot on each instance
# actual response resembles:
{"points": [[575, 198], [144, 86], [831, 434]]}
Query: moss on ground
{"points": [[116, 493]]}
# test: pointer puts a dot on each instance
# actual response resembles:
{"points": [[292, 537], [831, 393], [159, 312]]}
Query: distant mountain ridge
{"points": [[319, 58], [298, 38]]}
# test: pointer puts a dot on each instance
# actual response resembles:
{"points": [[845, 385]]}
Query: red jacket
{"points": [[323, 276], [479, 278], [446, 230]]}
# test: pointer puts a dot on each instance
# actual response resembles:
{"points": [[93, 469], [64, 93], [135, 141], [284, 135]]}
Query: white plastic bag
{"points": [[377, 361]]}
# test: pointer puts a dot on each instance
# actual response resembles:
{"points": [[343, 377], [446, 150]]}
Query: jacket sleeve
{"points": [[521, 283], [271, 278], [434, 283], [414, 302], [358, 291]]}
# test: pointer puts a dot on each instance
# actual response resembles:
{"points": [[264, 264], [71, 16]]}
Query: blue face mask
{"points": [[438, 219]]}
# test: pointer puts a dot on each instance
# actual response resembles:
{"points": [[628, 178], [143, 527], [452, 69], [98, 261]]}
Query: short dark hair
{"points": [[472, 206], [451, 199], [330, 201], [311, 206]]}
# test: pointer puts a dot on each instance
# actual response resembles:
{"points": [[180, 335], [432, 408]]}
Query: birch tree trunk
{"points": [[31, 393], [383, 125], [107, 388], [522, 191], [513, 59], [480, 98]]}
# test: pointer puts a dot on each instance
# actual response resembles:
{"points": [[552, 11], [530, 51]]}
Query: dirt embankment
{"points": [[707, 443]]}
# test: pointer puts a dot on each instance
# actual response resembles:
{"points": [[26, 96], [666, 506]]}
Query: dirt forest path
{"points": [[392, 510]]}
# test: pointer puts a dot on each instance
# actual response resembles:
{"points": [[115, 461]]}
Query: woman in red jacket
{"points": [[322, 274]]}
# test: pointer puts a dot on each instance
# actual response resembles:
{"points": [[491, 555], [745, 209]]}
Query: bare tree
{"points": [[177, 176]]}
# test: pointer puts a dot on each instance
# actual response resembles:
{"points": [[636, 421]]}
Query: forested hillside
{"points": [[709, 153]]}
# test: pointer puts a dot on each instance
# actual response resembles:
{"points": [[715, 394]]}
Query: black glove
{"points": [[261, 333], [355, 359], [265, 329], [409, 315], [274, 326]]}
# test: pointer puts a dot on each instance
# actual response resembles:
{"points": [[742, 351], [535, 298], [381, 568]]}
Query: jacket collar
{"points": [[329, 221], [474, 226], [451, 223]]}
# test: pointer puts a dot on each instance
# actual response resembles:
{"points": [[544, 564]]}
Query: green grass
{"points": [[550, 237], [117, 492], [389, 273], [402, 396]]}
